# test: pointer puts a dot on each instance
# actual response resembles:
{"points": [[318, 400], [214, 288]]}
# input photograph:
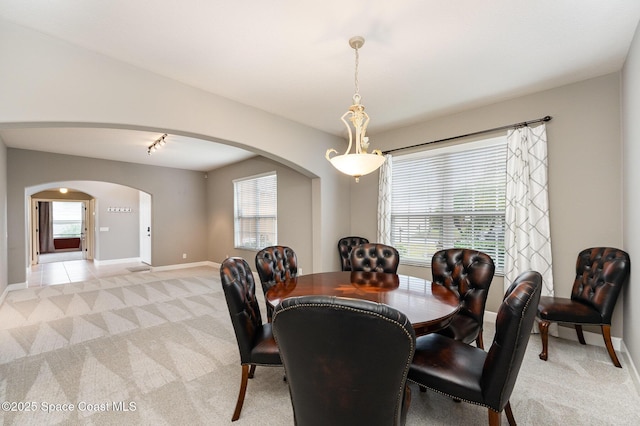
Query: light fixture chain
{"points": [[357, 83]]}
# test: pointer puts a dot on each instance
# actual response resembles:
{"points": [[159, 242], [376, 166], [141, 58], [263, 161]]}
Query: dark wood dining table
{"points": [[428, 306]]}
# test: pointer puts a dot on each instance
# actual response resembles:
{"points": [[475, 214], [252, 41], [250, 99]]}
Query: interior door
{"points": [[145, 228], [90, 228], [86, 235], [83, 231], [35, 240]]}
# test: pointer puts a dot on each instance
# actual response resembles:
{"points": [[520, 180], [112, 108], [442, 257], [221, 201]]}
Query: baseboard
{"points": [[633, 371], [99, 262], [184, 265], [11, 287], [591, 338], [567, 333], [157, 268]]}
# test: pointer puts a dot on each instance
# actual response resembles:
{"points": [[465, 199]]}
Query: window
{"points": [[255, 211], [451, 197], [67, 219]]}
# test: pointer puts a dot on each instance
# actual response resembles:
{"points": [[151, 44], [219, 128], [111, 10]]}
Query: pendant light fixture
{"points": [[358, 163]]}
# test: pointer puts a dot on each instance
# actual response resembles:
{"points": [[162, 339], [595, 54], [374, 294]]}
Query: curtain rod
{"points": [[515, 126]]}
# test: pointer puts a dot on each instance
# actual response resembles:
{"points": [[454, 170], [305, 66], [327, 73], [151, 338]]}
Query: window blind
{"points": [[449, 198], [255, 211]]}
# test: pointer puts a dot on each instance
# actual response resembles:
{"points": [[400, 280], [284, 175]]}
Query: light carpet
{"points": [[158, 348]]}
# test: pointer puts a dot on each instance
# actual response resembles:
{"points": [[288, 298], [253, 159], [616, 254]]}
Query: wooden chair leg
{"points": [[494, 418], [509, 413], [544, 335], [479, 342], [579, 333], [606, 335], [252, 371], [243, 390]]}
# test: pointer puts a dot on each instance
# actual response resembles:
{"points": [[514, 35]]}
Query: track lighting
{"points": [[160, 142]]}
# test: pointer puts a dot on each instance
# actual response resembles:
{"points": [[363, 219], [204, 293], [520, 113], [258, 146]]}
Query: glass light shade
{"points": [[357, 164]]}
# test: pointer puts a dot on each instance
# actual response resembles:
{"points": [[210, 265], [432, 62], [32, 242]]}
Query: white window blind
{"points": [[450, 197], [255, 211]]}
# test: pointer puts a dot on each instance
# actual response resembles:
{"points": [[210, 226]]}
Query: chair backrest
{"points": [[240, 292], [345, 245], [346, 360], [514, 321], [467, 272], [600, 274], [276, 264], [375, 257]]}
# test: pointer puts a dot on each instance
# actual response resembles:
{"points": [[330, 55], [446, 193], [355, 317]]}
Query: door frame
{"points": [[145, 204], [87, 239]]}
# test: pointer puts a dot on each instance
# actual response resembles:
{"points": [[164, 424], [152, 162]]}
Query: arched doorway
{"points": [[111, 228], [62, 225]]}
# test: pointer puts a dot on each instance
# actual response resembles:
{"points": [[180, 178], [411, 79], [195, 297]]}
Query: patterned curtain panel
{"points": [[384, 202], [527, 235]]}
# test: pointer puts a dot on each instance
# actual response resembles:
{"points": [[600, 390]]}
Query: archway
{"points": [[111, 227], [61, 225]]}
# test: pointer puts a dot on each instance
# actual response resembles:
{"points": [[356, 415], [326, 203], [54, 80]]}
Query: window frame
{"points": [[240, 219], [493, 219]]}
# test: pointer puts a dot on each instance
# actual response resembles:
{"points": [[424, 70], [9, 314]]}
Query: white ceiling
{"points": [[421, 58]]}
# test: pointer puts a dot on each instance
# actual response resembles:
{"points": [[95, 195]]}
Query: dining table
{"points": [[429, 307]]}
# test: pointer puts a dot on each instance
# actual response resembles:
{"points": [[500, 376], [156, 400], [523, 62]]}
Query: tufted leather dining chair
{"points": [[468, 273], [375, 257], [470, 374], [346, 360], [600, 274], [345, 245], [275, 264], [255, 339]]}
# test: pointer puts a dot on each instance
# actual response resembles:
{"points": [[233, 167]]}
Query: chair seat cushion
{"points": [[265, 350], [463, 328], [450, 366], [561, 309]]}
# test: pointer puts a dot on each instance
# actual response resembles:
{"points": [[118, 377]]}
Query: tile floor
{"points": [[67, 268]]}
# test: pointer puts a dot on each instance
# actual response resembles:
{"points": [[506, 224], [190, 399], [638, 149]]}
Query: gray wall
{"points": [[3, 217], [294, 210], [178, 202], [585, 170], [631, 195], [122, 240]]}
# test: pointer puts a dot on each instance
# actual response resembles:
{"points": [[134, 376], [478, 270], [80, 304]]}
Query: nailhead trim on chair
{"points": [[348, 308]]}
